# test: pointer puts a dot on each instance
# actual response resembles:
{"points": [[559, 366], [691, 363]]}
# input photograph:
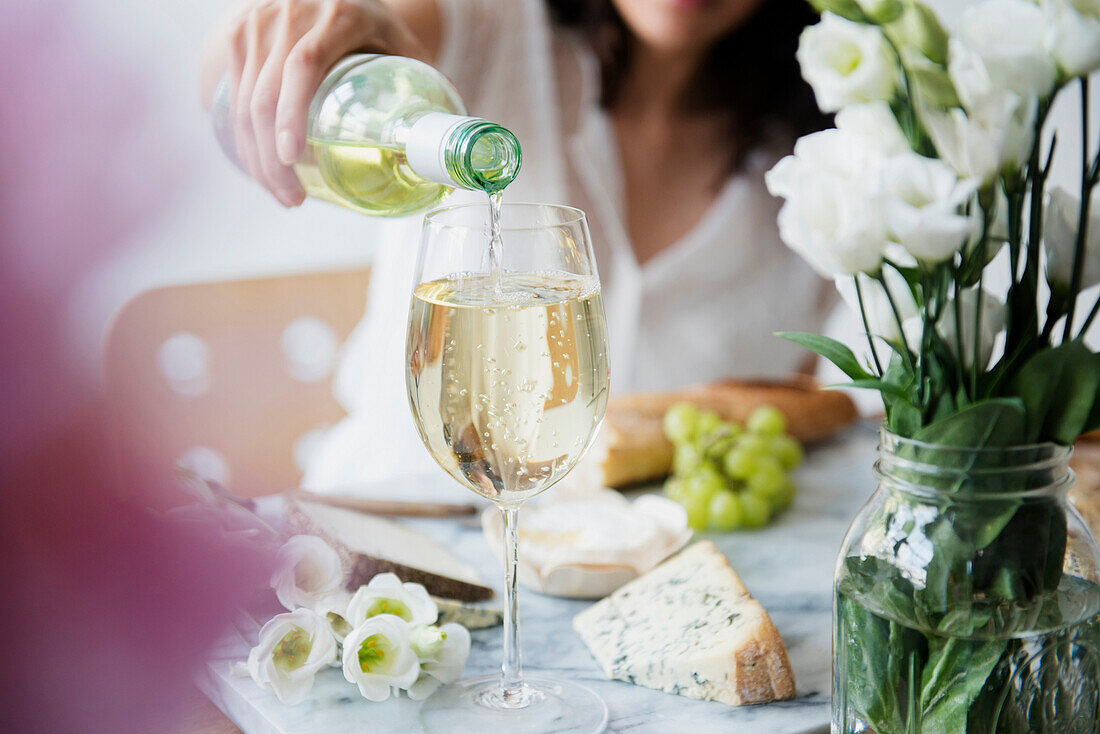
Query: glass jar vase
{"points": [[966, 597]]}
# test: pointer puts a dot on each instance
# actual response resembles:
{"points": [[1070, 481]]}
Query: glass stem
{"points": [[511, 671]]}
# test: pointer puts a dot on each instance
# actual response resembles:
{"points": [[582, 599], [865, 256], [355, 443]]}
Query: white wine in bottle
{"points": [[388, 136], [508, 381]]}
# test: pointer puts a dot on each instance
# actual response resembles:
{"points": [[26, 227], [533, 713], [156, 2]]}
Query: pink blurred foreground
{"points": [[108, 608]]}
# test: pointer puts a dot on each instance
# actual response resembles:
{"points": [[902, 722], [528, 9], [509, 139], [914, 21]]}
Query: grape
{"points": [[787, 450], [786, 496], [767, 481], [755, 445], [705, 483], [726, 511], [767, 421], [676, 489], [739, 464], [698, 511], [686, 458], [681, 423], [755, 511], [720, 446], [708, 423]]}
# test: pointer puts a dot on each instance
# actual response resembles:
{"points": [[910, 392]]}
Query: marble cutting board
{"points": [[788, 566]]}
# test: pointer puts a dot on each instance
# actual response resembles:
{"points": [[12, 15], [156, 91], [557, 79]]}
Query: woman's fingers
{"points": [[255, 54], [279, 178], [339, 26]]}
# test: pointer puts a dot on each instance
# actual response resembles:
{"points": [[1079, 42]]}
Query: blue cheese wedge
{"points": [[690, 627]]}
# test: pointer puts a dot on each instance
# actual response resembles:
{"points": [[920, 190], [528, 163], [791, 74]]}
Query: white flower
{"points": [[923, 206], [385, 594], [832, 215], [846, 63], [443, 656], [872, 130], [1008, 37], [307, 572], [292, 648], [378, 658], [1073, 34], [881, 320], [334, 609], [1060, 239], [992, 322], [837, 232], [981, 145]]}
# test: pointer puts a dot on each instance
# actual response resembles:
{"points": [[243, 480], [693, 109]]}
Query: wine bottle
{"points": [[389, 136]]}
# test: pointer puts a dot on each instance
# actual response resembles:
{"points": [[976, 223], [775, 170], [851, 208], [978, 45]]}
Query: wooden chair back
{"points": [[233, 379]]}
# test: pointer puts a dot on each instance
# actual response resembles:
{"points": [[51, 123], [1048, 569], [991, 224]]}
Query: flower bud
{"points": [[427, 641], [882, 11], [918, 28], [848, 9]]}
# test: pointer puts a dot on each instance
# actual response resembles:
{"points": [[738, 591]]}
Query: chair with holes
{"points": [[233, 379]]}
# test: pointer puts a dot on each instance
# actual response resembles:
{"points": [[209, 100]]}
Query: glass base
{"points": [[478, 706]]}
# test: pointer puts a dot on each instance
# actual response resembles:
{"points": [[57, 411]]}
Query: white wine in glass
{"points": [[507, 373]]}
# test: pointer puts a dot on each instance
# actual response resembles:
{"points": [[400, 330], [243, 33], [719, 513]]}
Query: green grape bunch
{"points": [[727, 476]]}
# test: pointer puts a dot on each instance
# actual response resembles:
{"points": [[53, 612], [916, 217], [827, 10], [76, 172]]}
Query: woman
{"points": [[656, 117]]}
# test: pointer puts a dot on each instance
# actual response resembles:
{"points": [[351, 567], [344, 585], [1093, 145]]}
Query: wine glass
{"points": [[507, 373]]}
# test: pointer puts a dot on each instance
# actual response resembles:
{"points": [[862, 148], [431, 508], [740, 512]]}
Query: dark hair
{"points": [[751, 73]]}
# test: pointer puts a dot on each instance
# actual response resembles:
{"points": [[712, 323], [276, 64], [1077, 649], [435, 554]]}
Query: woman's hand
{"points": [[276, 52]]}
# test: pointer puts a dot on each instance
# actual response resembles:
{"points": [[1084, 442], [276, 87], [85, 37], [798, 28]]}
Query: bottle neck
{"points": [[466, 152]]}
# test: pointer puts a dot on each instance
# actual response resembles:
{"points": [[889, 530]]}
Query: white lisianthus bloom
{"points": [[872, 130], [992, 323], [837, 231], [980, 146], [923, 206], [881, 320], [1060, 239], [334, 609], [832, 215], [1073, 34], [385, 594], [1008, 36], [378, 657], [307, 572], [846, 63], [443, 653], [292, 648]]}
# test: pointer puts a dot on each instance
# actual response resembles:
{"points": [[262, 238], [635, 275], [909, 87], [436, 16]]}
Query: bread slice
{"points": [[370, 545], [690, 627], [633, 447]]}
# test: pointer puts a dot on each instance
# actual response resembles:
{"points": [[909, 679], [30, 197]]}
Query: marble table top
{"points": [[788, 566]]}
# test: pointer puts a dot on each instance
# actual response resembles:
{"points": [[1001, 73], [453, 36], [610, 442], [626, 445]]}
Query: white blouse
{"points": [[704, 308]]}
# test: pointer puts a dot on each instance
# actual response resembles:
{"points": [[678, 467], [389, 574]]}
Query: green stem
{"points": [[866, 327], [911, 126], [975, 369], [1037, 179], [1088, 319], [901, 331], [959, 340], [1087, 181]]}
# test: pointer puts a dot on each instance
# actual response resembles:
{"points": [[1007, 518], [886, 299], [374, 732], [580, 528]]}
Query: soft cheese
{"points": [[690, 627]]}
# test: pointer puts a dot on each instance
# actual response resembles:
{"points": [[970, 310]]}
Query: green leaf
{"points": [[957, 669], [887, 388], [1059, 388], [996, 422], [831, 350]]}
